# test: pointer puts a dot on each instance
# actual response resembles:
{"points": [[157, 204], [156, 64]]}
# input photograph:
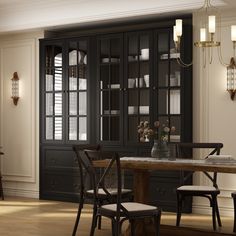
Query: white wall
{"points": [[214, 113], [19, 125]]}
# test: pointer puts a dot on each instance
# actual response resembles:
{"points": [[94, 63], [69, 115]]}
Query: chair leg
{"points": [[132, 227], [94, 220], [99, 222], [179, 209], [213, 212], [218, 214], [81, 204], [234, 214], [157, 220]]}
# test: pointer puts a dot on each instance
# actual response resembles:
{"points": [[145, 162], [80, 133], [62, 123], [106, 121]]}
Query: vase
{"points": [[160, 149]]}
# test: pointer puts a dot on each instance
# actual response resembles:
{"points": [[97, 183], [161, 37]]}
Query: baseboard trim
{"points": [[21, 193]]}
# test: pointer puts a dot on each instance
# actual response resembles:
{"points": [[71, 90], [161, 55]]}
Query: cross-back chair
{"points": [[184, 150], [87, 192], [119, 211]]}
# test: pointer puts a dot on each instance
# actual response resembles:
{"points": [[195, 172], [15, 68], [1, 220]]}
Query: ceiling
{"points": [[19, 15]]}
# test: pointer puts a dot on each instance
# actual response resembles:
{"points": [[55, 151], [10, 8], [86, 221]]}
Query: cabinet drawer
{"points": [[61, 183], [59, 158]]}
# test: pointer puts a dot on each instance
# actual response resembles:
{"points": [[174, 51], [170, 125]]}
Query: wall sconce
{"points": [[15, 88], [231, 78]]}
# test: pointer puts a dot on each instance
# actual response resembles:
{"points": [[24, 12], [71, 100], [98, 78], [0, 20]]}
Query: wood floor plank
{"points": [[32, 217]]}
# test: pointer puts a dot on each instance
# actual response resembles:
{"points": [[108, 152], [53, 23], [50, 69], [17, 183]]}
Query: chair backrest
{"points": [[81, 158], [98, 179], [184, 150]]}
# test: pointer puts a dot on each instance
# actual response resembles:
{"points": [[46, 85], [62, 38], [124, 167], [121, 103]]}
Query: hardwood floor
{"points": [[32, 217]]}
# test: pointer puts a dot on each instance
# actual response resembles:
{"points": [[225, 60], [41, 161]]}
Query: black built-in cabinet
{"points": [[97, 85]]}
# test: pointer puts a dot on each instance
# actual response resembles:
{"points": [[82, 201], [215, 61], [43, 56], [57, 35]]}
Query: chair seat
{"points": [[198, 188], [112, 191], [134, 209]]}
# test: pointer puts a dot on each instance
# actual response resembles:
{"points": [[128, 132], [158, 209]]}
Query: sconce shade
{"points": [[15, 88], [231, 78]]}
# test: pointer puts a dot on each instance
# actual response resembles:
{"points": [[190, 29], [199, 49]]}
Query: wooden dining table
{"points": [[142, 167]]}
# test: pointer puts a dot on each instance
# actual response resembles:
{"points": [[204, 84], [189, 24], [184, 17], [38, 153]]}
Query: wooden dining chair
{"points": [[234, 199], [119, 211], [86, 190], [184, 150]]}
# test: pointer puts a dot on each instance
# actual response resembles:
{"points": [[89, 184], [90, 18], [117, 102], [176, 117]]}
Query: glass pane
{"points": [[115, 50], [133, 102], [82, 84], [144, 47], [144, 73], [175, 74], [58, 128], [104, 128], [49, 56], [115, 101], [49, 104], [115, 128], [83, 52], [115, 76], [163, 73], [82, 128], [58, 104], [58, 79], [175, 101], [105, 50], [105, 109], [144, 97], [72, 83], [49, 82], [133, 48], [73, 128], [176, 122], [104, 77], [73, 103], [49, 128], [73, 57], [58, 59], [83, 103], [132, 128], [163, 101], [163, 45]]}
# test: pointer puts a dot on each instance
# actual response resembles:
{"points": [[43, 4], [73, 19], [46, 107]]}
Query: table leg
{"points": [[141, 195]]}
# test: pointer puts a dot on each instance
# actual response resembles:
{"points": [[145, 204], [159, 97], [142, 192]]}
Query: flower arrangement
{"points": [[146, 132]]}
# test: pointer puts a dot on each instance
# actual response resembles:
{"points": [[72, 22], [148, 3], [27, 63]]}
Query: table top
{"points": [[148, 163]]}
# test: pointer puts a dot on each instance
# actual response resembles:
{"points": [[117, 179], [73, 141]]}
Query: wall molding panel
{"points": [[19, 124]]}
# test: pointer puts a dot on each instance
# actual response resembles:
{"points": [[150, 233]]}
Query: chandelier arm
{"points": [[204, 58], [211, 56], [221, 58], [183, 64]]}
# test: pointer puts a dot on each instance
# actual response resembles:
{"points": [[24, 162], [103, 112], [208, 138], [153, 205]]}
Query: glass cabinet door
{"points": [[53, 87], [137, 82], [77, 81], [110, 87], [168, 83]]}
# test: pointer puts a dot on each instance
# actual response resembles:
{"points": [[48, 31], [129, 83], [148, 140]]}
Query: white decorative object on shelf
{"points": [[131, 83], [113, 86], [146, 80], [144, 109], [132, 110], [144, 54]]}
